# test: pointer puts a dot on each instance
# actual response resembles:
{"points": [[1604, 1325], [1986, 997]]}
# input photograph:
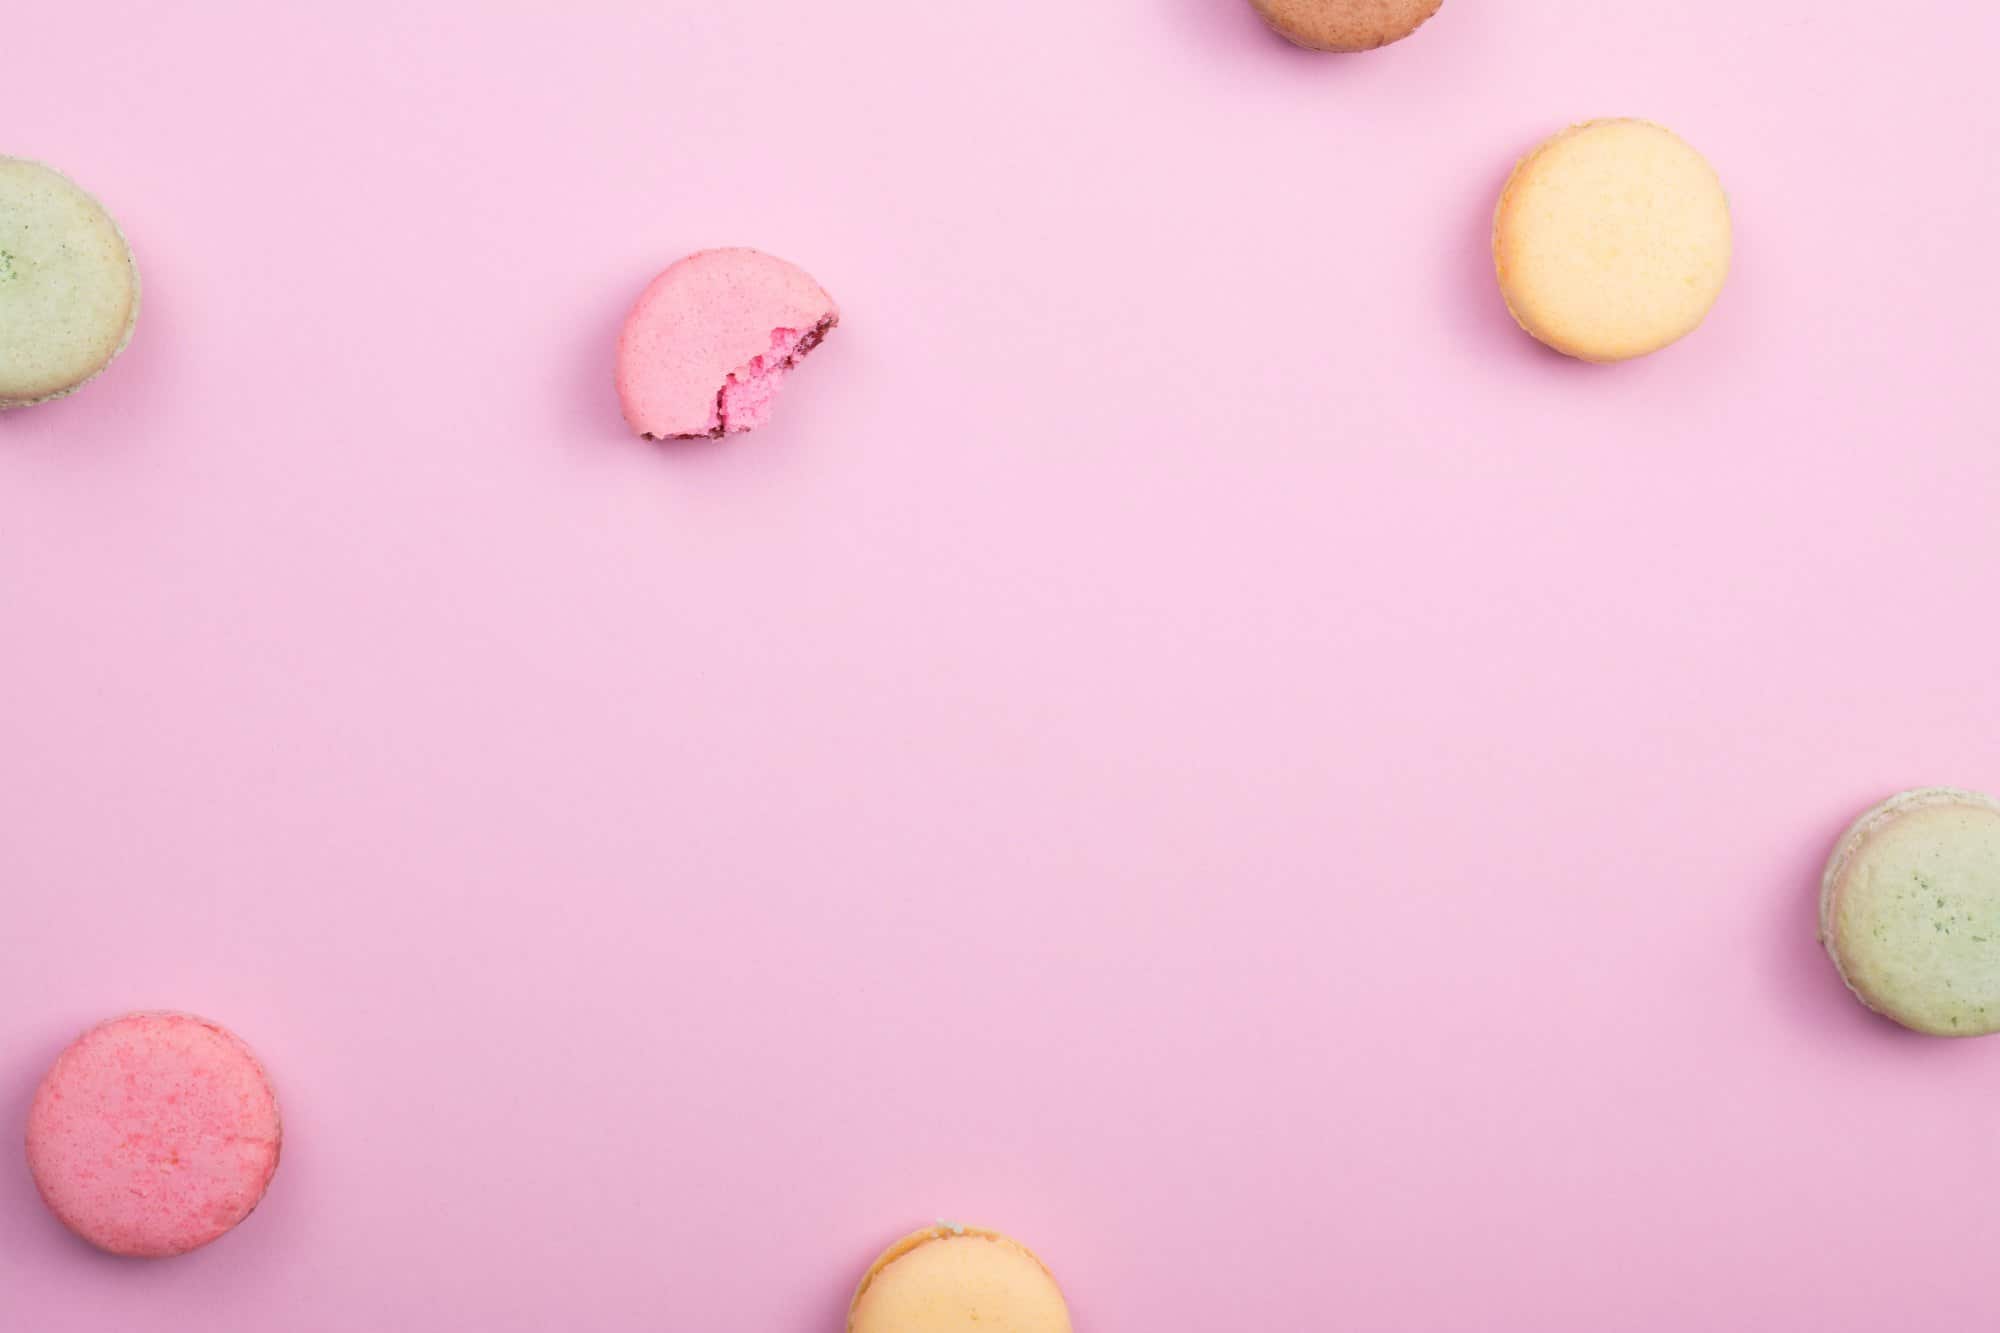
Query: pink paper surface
{"points": [[1189, 739]]}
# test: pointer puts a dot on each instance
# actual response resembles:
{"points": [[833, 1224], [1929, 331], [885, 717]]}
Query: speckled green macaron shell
{"points": [[1910, 911], [69, 291]]}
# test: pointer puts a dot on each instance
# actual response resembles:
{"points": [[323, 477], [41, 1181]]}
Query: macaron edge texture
{"points": [[131, 317], [1521, 166]]}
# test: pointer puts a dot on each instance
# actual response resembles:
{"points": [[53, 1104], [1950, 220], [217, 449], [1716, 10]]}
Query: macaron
{"points": [[1345, 25], [954, 1279], [1611, 240], [1909, 911], [154, 1134], [69, 290], [710, 340]]}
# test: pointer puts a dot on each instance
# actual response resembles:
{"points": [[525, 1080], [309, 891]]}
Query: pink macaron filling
{"points": [[747, 395]]}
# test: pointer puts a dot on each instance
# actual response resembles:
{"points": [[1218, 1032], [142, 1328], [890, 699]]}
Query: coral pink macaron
{"points": [[711, 338], [154, 1134]]}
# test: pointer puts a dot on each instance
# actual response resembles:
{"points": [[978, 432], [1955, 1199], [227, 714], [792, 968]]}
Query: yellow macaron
{"points": [[1612, 240], [954, 1279]]}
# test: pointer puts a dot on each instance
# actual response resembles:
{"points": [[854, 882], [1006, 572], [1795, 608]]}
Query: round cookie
{"points": [[69, 291], [710, 339], [153, 1134], [953, 1279], [1611, 240], [1345, 25], [1909, 911]]}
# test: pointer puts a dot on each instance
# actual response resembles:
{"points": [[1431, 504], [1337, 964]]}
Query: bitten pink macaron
{"points": [[154, 1134], [710, 340]]}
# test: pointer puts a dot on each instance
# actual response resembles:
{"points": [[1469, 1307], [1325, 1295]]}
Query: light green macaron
{"points": [[69, 290], [1910, 911]]}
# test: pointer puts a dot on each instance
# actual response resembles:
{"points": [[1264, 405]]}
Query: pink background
{"points": [[1190, 739]]}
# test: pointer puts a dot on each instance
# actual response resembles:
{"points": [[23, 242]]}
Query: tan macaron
{"points": [[1345, 25], [954, 1279], [1611, 240], [1909, 911], [69, 291]]}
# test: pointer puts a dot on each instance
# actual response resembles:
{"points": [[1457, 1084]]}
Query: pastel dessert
{"points": [[153, 1134], [711, 339], [1611, 240], [69, 290], [1345, 25], [1909, 911], [953, 1279]]}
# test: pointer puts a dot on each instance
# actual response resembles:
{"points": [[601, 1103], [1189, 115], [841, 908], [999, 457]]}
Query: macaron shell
{"points": [[154, 1134], [69, 288], [704, 318], [958, 1280], [1345, 25], [1611, 240], [1910, 911]]}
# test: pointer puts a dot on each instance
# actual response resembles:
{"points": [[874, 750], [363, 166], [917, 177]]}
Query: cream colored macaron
{"points": [[953, 1279], [1909, 910], [1345, 25], [69, 291], [1611, 240]]}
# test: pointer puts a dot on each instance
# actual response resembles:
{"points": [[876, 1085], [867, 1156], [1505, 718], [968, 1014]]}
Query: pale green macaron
{"points": [[69, 290], [1910, 911]]}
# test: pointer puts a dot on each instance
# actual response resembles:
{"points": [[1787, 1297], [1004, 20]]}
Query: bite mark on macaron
{"points": [[710, 342], [745, 400]]}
